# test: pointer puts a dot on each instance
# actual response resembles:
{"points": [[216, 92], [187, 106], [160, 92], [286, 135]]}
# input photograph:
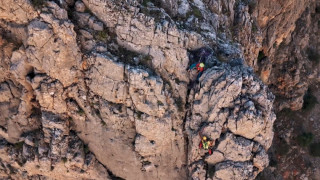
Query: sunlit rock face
{"points": [[101, 89]]}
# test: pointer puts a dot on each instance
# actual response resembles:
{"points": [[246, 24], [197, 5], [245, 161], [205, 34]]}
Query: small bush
{"points": [[195, 11], [313, 55], [305, 139], [102, 36], [139, 114], [314, 149], [309, 101]]}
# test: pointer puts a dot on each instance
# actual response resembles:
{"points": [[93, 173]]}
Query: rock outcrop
{"points": [[234, 109], [100, 89]]}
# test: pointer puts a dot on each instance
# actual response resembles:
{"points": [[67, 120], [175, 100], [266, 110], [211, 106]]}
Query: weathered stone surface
{"points": [[79, 6], [52, 47], [234, 109], [93, 86], [49, 94], [20, 12], [234, 170]]}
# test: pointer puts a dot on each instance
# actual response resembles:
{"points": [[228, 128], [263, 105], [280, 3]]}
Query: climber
{"points": [[200, 68], [206, 144]]}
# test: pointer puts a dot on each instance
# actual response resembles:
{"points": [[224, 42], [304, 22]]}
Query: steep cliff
{"points": [[101, 89]]}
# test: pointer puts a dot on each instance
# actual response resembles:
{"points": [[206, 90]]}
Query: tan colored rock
{"points": [[236, 148], [52, 47], [76, 109], [20, 11], [49, 94], [232, 108], [234, 170]]}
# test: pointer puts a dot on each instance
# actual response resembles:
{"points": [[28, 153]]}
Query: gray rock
{"points": [[80, 7], [230, 98]]}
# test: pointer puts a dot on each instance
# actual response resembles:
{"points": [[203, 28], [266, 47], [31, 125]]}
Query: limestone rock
{"points": [[234, 109], [52, 47], [100, 89]]}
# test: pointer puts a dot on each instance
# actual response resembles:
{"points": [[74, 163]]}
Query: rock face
{"points": [[234, 109], [100, 89]]}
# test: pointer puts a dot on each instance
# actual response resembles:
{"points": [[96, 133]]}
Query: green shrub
{"points": [[305, 139], [139, 114], [314, 149], [195, 11], [309, 101], [102, 36]]}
